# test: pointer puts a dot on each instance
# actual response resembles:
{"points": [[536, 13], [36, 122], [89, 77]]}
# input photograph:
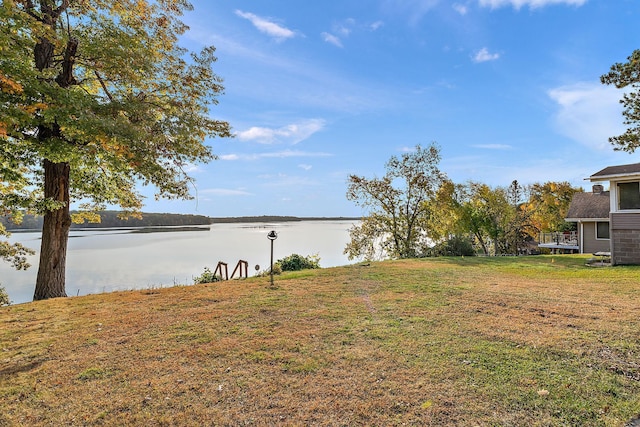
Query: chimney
{"points": [[597, 188]]}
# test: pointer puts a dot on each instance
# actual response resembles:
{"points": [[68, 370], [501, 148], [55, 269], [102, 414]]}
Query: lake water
{"points": [[110, 260]]}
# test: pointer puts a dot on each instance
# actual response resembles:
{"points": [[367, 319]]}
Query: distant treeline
{"points": [[109, 219]]}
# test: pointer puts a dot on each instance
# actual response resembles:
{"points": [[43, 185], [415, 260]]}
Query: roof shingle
{"points": [[589, 205], [631, 169]]}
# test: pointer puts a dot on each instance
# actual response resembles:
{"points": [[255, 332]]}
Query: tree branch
{"points": [[29, 10], [58, 11], [65, 78], [104, 86]]}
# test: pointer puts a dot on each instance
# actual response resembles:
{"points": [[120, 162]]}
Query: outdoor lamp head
{"points": [[272, 235]]}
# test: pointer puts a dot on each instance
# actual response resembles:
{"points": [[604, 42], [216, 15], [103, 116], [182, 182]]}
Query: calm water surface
{"points": [[111, 260]]}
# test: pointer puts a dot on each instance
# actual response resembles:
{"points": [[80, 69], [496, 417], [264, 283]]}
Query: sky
{"points": [[318, 90]]}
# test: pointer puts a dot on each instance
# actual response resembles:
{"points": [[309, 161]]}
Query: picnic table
{"points": [[604, 256]]}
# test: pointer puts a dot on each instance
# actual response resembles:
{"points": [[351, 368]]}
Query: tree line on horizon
{"points": [[111, 219], [116, 219]]}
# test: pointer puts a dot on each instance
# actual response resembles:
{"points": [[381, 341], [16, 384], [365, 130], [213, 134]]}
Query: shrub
{"points": [[277, 269], [4, 297], [267, 272], [206, 277], [297, 262], [454, 246]]}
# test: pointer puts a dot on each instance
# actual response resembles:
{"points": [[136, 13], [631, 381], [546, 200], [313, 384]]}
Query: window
{"points": [[629, 193], [602, 230]]}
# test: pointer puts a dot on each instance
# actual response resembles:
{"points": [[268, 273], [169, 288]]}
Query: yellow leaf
{"points": [[38, 106], [9, 86]]}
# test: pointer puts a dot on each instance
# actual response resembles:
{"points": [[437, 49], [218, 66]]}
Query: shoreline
{"points": [[211, 221]]}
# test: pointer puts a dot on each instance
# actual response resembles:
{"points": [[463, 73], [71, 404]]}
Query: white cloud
{"points": [[225, 192], [345, 28], [290, 134], [266, 26], [292, 153], [292, 81], [330, 38], [305, 167], [306, 84], [339, 30], [493, 146], [588, 113], [191, 168], [533, 4], [414, 9], [376, 25], [460, 8], [342, 30], [276, 155], [259, 134], [483, 55]]}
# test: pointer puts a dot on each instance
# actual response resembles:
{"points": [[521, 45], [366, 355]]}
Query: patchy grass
{"points": [[534, 341]]}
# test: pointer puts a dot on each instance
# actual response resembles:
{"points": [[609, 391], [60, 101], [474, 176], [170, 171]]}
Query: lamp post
{"points": [[272, 236]]}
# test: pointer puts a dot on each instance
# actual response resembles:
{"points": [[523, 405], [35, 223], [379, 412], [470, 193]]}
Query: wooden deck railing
{"points": [[569, 238]]}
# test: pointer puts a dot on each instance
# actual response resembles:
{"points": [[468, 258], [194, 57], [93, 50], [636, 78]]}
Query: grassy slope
{"points": [[473, 341]]}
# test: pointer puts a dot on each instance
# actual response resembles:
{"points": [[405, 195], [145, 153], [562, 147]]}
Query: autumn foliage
{"points": [[98, 97]]}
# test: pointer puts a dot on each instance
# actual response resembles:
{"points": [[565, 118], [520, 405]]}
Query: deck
{"points": [[559, 242]]}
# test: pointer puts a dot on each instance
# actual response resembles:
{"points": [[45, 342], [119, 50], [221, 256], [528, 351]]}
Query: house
{"points": [[591, 213], [624, 211]]}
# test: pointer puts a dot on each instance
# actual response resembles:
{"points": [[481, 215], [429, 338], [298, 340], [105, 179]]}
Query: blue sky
{"points": [[315, 91]]}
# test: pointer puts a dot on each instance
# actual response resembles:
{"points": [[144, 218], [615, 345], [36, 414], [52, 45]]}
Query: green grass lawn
{"points": [[507, 341]]}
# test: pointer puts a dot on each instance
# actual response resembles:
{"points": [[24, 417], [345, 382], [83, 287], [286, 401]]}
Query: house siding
{"points": [[590, 244], [625, 238]]}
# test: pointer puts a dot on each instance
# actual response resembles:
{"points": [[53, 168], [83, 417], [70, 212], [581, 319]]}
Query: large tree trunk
{"points": [[50, 282]]}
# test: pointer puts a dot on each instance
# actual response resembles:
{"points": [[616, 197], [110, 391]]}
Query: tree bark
{"points": [[50, 282], [482, 244]]}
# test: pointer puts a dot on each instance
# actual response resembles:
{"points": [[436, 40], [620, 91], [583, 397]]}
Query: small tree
{"points": [[398, 205], [548, 205], [519, 223], [480, 211], [4, 297]]}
